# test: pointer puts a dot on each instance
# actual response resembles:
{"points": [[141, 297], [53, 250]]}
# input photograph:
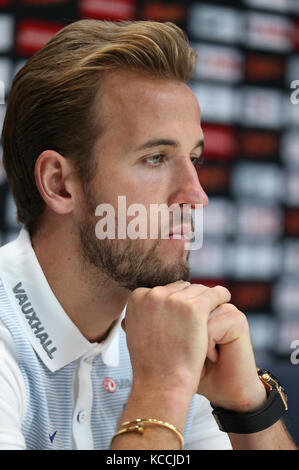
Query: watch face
{"points": [[268, 375], [271, 380]]}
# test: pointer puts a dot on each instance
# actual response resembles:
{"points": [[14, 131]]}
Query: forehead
{"points": [[131, 103]]}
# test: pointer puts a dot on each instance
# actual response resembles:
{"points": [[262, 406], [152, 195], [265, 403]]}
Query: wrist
{"points": [[252, 421], [154, 401], [153, 419], [179, 387], [250, 401], [247, 397]]}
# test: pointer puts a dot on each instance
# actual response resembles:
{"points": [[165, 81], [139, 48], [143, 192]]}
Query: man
{"points": [[103, 111]]}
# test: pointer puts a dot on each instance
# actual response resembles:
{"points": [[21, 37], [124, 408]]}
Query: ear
{"points": [[54, 176]]}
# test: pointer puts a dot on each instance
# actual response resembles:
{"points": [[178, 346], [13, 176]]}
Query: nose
{"points": [[186, 186]]}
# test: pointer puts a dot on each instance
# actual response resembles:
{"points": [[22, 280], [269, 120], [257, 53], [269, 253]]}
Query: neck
{"points": [[92, 303]]}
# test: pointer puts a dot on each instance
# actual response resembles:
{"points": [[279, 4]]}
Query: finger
{"points": [[192, 291], [176, 286], [207, 298], [222, 309], [224, 327], [213, 347], [227, 327], [214, 297], [165, 290]]}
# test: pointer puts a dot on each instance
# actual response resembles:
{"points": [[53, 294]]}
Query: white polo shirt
{"points": [[58, 390]]}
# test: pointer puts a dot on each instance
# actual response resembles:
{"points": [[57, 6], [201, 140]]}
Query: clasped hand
{"points": [[189, 338]]}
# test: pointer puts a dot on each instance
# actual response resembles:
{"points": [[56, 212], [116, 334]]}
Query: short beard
{"points": [[125, 261]]}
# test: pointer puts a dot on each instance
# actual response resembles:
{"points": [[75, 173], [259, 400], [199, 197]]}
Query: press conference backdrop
{"points": [[247, 83]]}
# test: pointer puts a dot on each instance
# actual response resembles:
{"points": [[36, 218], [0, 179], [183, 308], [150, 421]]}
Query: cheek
{"points": [[138, 185], [141, 189], [146, 186]]}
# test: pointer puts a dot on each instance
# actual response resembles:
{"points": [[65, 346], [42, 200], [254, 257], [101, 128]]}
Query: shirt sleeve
{"points": [[205, 434], [12, 395]]}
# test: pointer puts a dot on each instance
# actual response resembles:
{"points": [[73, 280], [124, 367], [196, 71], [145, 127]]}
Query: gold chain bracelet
{"points": [[137, 425]]}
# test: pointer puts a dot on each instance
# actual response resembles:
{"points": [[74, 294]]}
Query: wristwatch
{"points": [[263, 418]]}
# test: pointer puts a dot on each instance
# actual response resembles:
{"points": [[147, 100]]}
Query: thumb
{"points": [[123, 324]]}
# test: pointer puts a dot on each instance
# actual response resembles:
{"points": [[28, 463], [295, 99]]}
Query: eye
{"points": [[158, 159], [197, 161], [155, 160]]}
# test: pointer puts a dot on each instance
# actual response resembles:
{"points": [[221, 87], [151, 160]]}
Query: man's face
{"points": [[147, 152]]}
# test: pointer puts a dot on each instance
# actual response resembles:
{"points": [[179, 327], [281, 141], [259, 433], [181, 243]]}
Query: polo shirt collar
{"points": [[53, 335]]}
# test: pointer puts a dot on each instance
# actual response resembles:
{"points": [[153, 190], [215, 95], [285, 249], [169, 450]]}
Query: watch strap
{"points": [[251, 422]]}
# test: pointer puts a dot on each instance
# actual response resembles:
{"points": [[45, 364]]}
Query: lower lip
{"points": [[181, 238]]}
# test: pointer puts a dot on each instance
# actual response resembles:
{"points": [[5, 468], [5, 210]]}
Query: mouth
{"points": [[183, 233]]}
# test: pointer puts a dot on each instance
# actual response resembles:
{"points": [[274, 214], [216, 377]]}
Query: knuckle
{"points": [[242, 317], [222, 290], [173, 302], [156, 293], [239, 316], [156, 290], [192, 305], [202, 299], [138, 293], [200, 286], [229, 308], [200, 303]]}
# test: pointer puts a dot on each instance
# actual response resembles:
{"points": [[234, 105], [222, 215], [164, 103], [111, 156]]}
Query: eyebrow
{"points": [[173, 143]]}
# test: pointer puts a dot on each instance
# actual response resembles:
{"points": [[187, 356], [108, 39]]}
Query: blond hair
{"points": [[50, 102]]}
